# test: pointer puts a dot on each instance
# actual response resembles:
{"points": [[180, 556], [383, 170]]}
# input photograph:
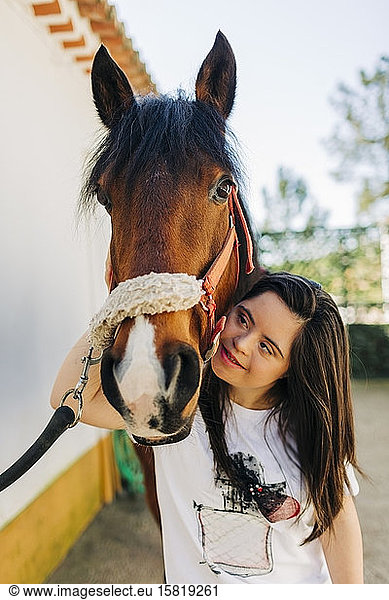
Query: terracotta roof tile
{"points": [[81, 25]]}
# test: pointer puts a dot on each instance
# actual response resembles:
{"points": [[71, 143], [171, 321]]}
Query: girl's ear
{"points": [[112, 92], [216, 80]]}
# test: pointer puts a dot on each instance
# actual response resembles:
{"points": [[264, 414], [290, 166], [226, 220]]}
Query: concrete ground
{"points": [[372, 425], [122, 545]]}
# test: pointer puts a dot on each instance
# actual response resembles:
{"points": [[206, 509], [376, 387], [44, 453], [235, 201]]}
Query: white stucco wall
{"points": [[51, 274]]}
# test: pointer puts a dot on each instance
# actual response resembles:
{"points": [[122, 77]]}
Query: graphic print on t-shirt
{"points": [[237, 539]]}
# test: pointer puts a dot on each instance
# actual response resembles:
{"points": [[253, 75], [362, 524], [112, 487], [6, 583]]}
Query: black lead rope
{"points": [[61, 420]]}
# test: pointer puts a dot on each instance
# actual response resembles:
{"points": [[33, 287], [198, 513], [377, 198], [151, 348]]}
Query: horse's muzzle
{"points": [[158, 401]]}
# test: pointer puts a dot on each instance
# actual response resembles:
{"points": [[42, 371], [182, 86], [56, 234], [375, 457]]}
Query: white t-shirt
{"points": [[214, 534]]}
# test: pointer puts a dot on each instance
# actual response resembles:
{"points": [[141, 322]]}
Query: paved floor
{"points": [[372, 425], [122, 545]]}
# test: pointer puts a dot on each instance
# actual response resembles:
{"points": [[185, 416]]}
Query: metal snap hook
{"points": [[80, 386]]}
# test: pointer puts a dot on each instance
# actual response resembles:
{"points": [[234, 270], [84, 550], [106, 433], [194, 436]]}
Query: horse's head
{"points": [[167, 176]]}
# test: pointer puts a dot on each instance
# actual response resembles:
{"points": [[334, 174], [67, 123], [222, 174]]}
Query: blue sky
{"points": [[290, 55]]}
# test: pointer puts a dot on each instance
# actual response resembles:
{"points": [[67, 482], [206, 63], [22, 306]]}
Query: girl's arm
{"points": [[97, 410], [342, 546]]}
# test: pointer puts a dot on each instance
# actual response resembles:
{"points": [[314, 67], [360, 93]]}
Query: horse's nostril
{"points": [[182, 374], [109, 383], [154, 423]]}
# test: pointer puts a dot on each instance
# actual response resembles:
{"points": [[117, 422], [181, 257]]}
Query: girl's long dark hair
{"points": [[312, 403]]}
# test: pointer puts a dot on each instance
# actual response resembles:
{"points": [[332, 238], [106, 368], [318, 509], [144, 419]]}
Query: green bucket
{"points": [[128, 463]]}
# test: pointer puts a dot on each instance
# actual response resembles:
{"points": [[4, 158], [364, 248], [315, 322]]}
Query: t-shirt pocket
{"points": [[235, 542]]}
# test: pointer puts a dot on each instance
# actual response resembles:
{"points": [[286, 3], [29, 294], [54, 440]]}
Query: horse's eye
{"points": [[222, 190], [104, 199]]}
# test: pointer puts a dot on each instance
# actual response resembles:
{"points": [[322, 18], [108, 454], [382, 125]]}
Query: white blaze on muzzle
{"points": [[149, 294]]}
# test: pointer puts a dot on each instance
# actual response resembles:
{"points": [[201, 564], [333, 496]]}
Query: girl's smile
{"points": [[229, 359], [255, 347]]}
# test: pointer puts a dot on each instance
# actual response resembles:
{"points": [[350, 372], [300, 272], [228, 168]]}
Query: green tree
{"points": [[291, 206], [361, 137], [346, 262]]}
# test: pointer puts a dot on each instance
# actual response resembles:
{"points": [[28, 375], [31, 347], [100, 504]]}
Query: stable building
{"points": [[52, 267]]}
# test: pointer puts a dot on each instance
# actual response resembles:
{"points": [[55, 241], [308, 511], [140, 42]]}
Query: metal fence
{"points": [[351, 264]]}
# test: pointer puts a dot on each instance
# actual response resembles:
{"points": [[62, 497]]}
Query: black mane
{"points": [[173, 132]]}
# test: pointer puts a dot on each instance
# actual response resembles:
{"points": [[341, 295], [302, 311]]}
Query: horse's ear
{"points": [[112, 92], [216, 81]]}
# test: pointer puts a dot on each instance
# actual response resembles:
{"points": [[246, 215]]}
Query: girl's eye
{"points": [[241, 319], [265, 348]]}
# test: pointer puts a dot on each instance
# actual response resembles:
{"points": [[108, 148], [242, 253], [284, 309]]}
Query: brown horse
{"points": [[168, 177]]}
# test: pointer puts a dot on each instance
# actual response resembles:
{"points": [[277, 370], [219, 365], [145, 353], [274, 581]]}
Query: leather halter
{"points": [[219, 265]]}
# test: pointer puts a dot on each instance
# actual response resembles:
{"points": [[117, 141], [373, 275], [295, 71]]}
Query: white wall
{"points": [[51, 274]]}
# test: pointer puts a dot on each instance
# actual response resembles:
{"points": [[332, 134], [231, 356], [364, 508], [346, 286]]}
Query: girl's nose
{"points": [[242, 344]]}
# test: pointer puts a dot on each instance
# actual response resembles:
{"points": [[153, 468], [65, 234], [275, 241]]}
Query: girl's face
{"points": [[255, 346]]}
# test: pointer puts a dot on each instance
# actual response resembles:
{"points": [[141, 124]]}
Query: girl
{"points": [[261, 489]]}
